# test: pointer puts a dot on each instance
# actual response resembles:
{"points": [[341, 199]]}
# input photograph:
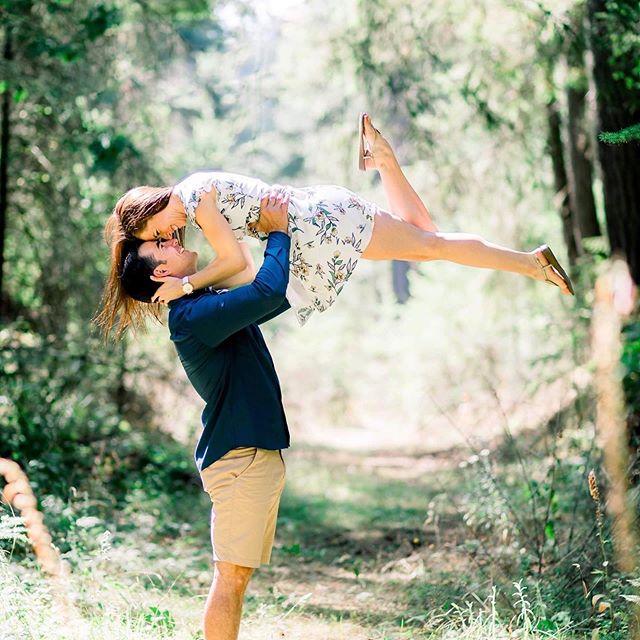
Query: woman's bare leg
{"points": [[395, 239], [403, 200]]}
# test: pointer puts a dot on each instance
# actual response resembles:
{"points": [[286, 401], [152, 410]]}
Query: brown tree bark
{"points": [[554, 147], [617, 110], [580, 170]]}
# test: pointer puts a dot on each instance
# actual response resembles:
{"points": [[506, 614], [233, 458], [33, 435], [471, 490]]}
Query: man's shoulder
{"points": [[181, 310], [179, 306]]}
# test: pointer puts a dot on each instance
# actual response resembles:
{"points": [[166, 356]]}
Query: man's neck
{"points": [[185, 273]]}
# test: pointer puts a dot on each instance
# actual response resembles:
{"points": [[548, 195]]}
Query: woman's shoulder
{"points": [[196, 180], [204, 177], [224, 182], [204, 181]]}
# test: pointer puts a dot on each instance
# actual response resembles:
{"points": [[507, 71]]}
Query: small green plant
{"points": [[160, 619], [291, 549], [524, 616]]}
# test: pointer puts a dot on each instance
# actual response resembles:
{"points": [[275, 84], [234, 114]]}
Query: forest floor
{"points": [[370, 546], [360, 553], [378, 544]]}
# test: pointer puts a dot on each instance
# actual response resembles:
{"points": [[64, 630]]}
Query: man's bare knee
{"points": [[232, 576]]}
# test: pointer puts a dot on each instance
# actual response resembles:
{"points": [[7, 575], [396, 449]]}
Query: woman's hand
{"points": [[274, 212], [170, 289]]}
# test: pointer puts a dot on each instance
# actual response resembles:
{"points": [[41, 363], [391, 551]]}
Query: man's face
{"points": [[174, 259]]}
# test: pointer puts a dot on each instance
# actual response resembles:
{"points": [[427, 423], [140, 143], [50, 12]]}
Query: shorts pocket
{"points": [[227, 469], [242, 460]]}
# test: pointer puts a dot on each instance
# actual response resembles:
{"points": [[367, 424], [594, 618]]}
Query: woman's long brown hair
{"points": [[118, 310]]}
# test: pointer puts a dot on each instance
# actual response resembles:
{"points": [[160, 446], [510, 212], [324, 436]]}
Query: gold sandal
{"points": [[362, 152], [552, 263]]}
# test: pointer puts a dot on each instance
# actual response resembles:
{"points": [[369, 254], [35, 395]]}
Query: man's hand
{"points": [[274, 212]]}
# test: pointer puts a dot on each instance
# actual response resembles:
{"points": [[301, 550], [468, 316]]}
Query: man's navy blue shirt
{"points": [[227, 361]]}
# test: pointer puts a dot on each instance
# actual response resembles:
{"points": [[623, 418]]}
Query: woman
{"points": [[331, 229]]}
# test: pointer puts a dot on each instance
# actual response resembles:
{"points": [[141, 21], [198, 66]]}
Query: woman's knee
{"points": [[433, 246]]}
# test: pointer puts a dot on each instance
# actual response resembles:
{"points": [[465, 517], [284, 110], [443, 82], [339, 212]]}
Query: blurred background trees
{"points": [[515, 120], [76, 129], [102, 86]]}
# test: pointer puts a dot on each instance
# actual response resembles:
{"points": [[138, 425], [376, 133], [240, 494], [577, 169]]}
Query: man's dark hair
{"points": [[136, 272]]}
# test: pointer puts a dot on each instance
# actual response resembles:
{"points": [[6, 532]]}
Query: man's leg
{"points": [[224, 604], [245, 487]]}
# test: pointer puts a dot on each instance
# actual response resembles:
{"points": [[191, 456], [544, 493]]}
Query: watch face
{"points": [[187, 288]]}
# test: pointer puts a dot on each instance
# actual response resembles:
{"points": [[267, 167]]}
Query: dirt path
{"points": [[359, 553]]}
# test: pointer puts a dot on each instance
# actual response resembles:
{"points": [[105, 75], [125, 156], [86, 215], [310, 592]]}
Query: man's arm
{"points": [[285, 306], [212, 319]]}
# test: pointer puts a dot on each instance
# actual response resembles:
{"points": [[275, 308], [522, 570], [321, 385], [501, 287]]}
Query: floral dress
{"points": [[330, 227]]}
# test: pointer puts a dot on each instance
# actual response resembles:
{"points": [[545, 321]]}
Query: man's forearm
{"points": [[215, 318]]}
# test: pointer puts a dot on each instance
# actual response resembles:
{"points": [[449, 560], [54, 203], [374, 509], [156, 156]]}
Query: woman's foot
{"points": [[375, 151], [546, 268]]}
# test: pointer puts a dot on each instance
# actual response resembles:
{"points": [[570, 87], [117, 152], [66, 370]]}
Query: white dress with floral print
{"points": [[330, 227]]}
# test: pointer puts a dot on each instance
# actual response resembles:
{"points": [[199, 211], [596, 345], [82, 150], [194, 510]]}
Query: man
{"points": [[227, 361]]}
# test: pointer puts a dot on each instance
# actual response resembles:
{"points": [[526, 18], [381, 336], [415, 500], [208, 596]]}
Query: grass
{"points": [[359, 554]]}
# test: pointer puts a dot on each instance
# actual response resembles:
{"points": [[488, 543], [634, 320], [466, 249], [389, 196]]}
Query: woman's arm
{"points": [[244, 277], [229, 260], [233, 264]]}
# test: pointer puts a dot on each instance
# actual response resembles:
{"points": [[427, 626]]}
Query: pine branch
{"points": [[620, 137]]}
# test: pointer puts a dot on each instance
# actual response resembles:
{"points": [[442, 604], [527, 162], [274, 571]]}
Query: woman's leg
{"points": [[395, 239], [403, 200]]}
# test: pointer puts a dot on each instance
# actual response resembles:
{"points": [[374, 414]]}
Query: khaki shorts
{"points": [[245, 486]]}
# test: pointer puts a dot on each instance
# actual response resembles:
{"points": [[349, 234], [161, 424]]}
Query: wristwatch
{"points": [[187, 287]]}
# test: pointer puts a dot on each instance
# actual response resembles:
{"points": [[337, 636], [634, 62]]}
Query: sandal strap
{"points": [[544, 268]]}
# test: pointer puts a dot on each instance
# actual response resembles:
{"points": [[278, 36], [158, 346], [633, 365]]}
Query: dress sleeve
{"points": [[190, 192]]}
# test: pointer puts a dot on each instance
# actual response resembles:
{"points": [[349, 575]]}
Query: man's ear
{"points": [[160, 271]]}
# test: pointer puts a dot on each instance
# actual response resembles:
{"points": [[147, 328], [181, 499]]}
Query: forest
{"points": [[464, 457]]}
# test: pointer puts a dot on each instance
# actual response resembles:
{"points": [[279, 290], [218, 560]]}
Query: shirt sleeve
{"points": [[285, 306], [212, 319]]}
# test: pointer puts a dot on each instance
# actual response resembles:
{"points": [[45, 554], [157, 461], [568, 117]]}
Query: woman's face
{"points": [[162, 225]]}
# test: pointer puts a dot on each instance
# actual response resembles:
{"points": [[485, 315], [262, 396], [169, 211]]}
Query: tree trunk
{"points": [[620, 163], [5, 130], [400, 275], [580, 169], [554, 147]]}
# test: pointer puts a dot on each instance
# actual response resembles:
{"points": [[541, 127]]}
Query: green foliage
{"points": [[62, 406], [631, 364], [620, 35], [160, 619], [60, 66], [629, 134], [56, 407]]}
